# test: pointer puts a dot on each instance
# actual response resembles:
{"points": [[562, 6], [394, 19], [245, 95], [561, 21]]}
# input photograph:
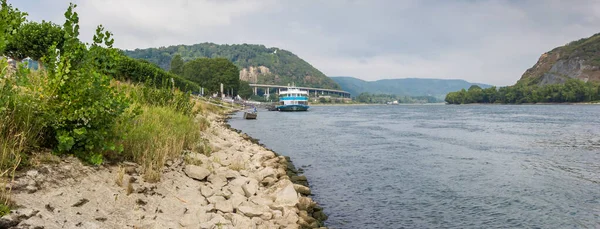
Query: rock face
{"points": [[251, 74], [576, 60]]}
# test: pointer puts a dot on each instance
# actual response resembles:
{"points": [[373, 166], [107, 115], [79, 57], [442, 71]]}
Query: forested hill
{"points": [[407, 87], [257, 63]]}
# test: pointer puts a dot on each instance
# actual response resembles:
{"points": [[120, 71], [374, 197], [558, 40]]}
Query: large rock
{"points": [[302, 189], [207, 191], [196, 172], [216, 220], [217, 180], [261, 201], [224, 206], [305, 203], [250, 211], [240, 221], [236, 199], [250, 188], [189, 220], [267, 172], [215, 199], [287, 196], [268, 181]]}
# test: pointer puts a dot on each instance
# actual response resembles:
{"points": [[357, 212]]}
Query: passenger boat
{"points": [[293, 99]]}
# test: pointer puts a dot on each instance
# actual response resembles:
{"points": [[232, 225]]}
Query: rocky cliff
{"points": [[578, 59]]}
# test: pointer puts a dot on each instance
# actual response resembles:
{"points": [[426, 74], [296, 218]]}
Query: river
{"points": [[437, 166]]}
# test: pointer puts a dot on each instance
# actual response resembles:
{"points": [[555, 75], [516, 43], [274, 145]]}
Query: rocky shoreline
{"points": [[241, 184]]}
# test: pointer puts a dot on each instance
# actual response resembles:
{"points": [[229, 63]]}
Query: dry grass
{"points": [[238, 165], [120, 176], [157, 135]]}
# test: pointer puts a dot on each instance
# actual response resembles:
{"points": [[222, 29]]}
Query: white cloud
{"points": [[488, 41]]}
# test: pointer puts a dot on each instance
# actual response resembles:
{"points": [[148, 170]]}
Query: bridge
{"points": [[311, 90]]}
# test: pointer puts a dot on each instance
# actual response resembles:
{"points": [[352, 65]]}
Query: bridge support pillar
{"points": [[255, 91]]}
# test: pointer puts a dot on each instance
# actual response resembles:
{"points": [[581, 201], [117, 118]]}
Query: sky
{"points": [[483, 41]]}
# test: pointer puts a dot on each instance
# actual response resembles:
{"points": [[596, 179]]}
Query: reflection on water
{"points": [[444, 166]]}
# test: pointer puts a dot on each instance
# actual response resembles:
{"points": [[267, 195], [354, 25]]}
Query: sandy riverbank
{"points": [[240, 185]]}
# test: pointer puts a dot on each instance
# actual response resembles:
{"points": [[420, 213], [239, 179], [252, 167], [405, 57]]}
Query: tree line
{"points": [[572, 91], [385, 98]]}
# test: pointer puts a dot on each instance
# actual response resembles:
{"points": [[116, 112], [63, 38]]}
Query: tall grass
{"points": [[155, 136], [21, 122]]}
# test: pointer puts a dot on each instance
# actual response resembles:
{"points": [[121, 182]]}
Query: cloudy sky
{"points": [[486, 41]]}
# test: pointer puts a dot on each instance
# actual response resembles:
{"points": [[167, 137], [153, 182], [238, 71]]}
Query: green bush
{"points": [[140, 71]]}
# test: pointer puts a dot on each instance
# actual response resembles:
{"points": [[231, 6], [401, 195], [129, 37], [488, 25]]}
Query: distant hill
{"points": [[257, 63], [577, 60], [409, 86]]}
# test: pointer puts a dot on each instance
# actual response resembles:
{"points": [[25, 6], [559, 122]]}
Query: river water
{"points": [[436, 166]]}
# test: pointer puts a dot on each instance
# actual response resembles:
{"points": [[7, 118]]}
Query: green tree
{"points": [[10, 20], [244, 91], [33, 40], [177, 65], [210, 73]]}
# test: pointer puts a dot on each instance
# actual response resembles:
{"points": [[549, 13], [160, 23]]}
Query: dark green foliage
{"points": [[287, 66], [409, 87], [245, 91], [10, 20], [384, 98], [177, 65], [4, 209], [134, 70], [572, 91], [33, 40], [210, 73], [86, 106]]}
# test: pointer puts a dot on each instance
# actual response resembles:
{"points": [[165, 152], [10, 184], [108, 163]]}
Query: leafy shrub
{"points": [[86, 107]]}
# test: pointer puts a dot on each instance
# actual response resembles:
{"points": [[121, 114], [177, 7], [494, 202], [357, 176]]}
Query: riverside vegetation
{"points": [[76, 106], [139, 123]]}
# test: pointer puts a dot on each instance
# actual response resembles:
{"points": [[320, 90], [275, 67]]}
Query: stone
{"points": [[277, 214], [240, 221], [268, 181], [302, 189], [196, 172], [287, 196], [215, 199], [218, 180], [203, 216], [305, 203], [236, 199], [250, 188], [244, 173], [200, 157], [32, 173], [216, 220], [266, 216], [266, 172], [207, 191], [304, 215], [261, 201], [224, 206], [250, 211], [320, 216], [189, 220]]}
